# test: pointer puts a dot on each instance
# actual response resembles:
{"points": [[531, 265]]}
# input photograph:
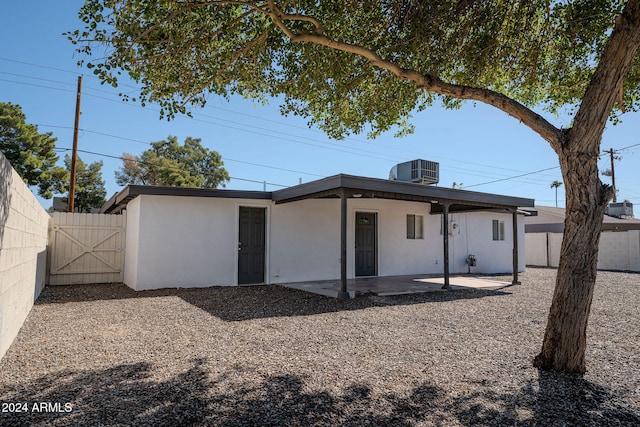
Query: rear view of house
{"points": [[335, 228]]}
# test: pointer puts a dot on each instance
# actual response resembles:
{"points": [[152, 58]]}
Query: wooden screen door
{"points": [[251, 245], [366, 244]]}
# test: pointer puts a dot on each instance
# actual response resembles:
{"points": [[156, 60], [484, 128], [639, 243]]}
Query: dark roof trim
{"points": [[118, 201], [398, 190], [333, 186]]}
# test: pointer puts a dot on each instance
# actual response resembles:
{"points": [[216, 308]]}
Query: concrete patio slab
{"points": [[398, 285]]}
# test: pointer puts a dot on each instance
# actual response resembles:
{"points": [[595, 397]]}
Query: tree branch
{"points": [[433, 84], [607, 81], [428, 82], [237, 55]]}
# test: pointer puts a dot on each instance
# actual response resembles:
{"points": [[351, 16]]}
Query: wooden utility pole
{"points": [[74, 153], [613, 175]]}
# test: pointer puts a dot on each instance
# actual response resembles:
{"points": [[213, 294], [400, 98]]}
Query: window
{"points": [[415, 226], [498, 229]]}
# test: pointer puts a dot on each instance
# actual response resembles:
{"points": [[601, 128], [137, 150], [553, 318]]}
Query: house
{"points": [[335, 228]]}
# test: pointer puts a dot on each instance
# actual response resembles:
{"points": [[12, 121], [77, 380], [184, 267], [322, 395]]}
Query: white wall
{"points": [[474, 235], [304, 242], [617, 250], [192, 242], [23, 244], [183, 241], [132, 243], [536, 244], [317, 256]]}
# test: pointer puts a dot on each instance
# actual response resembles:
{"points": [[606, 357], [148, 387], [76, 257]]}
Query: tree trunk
{"points": [[565, 338]]}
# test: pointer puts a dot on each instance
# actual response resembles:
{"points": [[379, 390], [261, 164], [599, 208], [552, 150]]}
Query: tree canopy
{"points": [[171, 164], [30, 152], [366, 66], [89, 191], [348, 64]]}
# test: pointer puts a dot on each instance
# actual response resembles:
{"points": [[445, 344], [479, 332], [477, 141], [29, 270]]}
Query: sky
{"points": [[478, 146]]}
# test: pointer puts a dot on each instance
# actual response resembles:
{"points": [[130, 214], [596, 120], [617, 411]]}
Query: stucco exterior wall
{"points": [[183, 241], [304, 243], [132, 242], [192, 242], [23, 245], [474, 235]]}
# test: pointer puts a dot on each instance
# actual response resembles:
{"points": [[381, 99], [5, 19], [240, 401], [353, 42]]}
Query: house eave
{"points": [[119, 201], [356, 186], [335, 186]]}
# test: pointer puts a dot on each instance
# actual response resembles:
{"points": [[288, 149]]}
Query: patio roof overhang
{"points": [[362, 187], [442, 201]]}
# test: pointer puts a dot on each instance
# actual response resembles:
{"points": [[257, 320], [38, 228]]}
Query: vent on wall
{"points": [[422, 171]]}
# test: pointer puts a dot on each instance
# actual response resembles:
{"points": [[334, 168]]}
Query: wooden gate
{"points": [[86, 248]]}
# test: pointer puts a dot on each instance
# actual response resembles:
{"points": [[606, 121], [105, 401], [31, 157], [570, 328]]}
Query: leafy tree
{"points": [[29, 152], [353, 66], [169, 163], [89, 191]]}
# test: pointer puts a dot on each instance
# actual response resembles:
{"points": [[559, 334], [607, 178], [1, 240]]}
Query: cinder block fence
{"points": [[617, 250], [23, 252]]}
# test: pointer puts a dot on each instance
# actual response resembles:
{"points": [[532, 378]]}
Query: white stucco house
{"points": [[335, 228]]}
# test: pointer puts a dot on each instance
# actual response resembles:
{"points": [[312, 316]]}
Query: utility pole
{"points": [[74, 153], [613, 174]]}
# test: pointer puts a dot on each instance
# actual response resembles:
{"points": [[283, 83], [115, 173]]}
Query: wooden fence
{"points": [[86, 248]]}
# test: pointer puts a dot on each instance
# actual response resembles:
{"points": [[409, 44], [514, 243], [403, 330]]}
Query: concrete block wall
{"points": [[617, 250], [23, 245]]}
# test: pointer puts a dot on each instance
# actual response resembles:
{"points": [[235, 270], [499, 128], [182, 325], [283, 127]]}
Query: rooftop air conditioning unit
{"points": [[420, 171], [620, 210]]}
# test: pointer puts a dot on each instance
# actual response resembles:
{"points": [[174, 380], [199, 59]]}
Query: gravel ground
{"points": [[267, 355]]}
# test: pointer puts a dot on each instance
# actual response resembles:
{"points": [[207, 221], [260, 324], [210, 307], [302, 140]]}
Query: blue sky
{"points": [[478, 146]]}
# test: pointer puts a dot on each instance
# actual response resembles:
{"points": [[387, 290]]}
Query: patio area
{"points": [[400, 285]]}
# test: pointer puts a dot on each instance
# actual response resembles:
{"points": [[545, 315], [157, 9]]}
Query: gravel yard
{"points": [[267, 355]]}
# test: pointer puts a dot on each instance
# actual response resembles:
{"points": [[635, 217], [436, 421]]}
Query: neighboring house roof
{"points": [[551, 220], [334, 186]]}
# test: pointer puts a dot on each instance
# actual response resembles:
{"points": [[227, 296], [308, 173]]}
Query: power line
{"points": [[325, 145], [510, 178], [224, 157], [271, 167], [37, 65], [146, 164], [625, 148], [420, 153], [36, 78], [36, 85], [350, 150]]}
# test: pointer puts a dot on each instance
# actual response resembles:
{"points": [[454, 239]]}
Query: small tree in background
{"points": [[29, 152], [171, 164], [89, 192]]}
